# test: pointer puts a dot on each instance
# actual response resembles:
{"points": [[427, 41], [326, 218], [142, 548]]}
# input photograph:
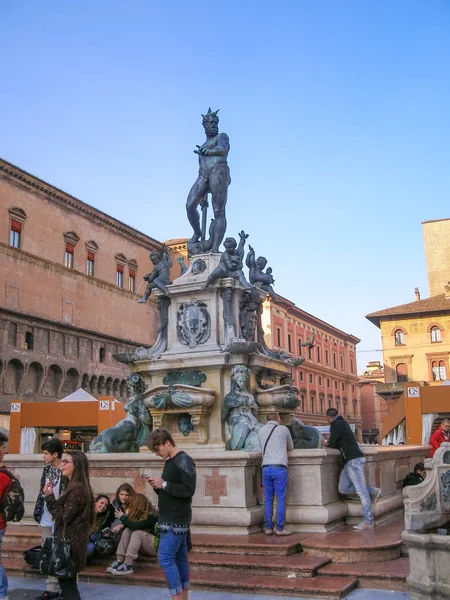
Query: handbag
{"points": [[56, 558], [264, 451]]}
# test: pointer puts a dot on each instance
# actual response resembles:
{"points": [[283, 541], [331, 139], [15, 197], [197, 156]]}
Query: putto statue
{"points": [[214, 178], [239, 413], [131, 433], [257, 276], [230, 264], [305, 436], [160, 276]]}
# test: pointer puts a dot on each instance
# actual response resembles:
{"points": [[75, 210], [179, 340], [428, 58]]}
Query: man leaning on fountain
{"points": [[275, 440], [352, 479]]}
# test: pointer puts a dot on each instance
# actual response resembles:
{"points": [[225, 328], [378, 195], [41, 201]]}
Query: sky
{"points": [[337, 114]]}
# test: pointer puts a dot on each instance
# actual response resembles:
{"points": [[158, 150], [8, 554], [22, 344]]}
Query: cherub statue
{"points": [[131, 433], [256, 273], [239, 414], [230, 264], [304, 436], [160, 276]]}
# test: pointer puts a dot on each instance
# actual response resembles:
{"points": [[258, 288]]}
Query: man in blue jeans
{"points": [[275, 440], [353, 478], [175, 489]]}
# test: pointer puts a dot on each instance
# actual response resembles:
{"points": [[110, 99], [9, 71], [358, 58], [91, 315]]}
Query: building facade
{"points": [[436, 236], [328, 376], [70, 280], [416, 339]]}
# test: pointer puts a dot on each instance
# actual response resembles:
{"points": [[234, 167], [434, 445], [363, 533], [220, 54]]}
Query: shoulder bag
{"points": [[264, 451]]}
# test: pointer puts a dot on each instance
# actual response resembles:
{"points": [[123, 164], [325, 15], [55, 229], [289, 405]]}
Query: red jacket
{"points": [[437, 438], [5, 484]]}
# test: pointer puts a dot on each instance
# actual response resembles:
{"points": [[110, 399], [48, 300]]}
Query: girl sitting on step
{"points": [[139, 533], [120, 505]]}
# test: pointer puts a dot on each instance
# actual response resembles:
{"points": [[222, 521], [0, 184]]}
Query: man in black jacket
{"points": [[352, 479], [417, 477], [175, 489]]}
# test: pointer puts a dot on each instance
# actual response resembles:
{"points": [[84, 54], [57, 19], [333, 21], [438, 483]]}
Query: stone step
{"points": [[329, 588], [300, 564], [254, 544], [389, 575], [30, 534], [383, 543]]}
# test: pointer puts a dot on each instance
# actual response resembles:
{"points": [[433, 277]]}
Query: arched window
{"points": [[399, 337], [101, 355], [29, 341], [435, 333], [401, 371], [438, 370]]}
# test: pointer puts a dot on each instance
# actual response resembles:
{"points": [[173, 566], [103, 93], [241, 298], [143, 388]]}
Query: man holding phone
{"points": [[175, 489]]}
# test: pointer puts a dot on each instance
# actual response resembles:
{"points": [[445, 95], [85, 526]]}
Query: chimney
{"points": [[416, 291], [447, 291]]}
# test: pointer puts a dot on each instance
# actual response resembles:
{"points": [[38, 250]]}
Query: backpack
{"points": [[13, 504]]}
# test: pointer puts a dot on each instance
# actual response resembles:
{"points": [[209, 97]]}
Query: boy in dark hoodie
{"points": [[352, 479], [417, 477]]}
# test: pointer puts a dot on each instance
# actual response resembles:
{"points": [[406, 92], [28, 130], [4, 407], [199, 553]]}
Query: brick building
{"points": [[328, 377], [70, 276]]}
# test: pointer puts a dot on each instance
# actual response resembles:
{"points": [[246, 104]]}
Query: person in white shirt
{"points": [[52, 454], [275, 440]]}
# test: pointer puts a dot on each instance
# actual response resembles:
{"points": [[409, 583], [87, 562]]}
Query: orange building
{"points": [[328, 377]]}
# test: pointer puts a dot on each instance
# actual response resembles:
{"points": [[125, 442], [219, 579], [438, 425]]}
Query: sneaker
{"points": [[268, 531], [282, 532], [123, 569], [112, 567], [363, 525], [375, 495]]}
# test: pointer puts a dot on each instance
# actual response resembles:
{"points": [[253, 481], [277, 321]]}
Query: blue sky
{"points": [[337, 113]]}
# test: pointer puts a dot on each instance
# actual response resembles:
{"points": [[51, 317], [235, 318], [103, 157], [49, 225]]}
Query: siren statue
{"points": [[213, 178]]}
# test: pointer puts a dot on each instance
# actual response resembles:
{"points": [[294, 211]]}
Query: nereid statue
{"points": [[230, 264], [214, 178], [239, 412], [131, 433], [160, 276]]}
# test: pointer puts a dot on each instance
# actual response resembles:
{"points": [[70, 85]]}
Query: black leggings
{"points": [[69, 588]]}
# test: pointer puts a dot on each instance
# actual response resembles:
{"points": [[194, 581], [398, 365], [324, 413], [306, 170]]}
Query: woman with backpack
{"points": [[139, 532], [73, 514]]}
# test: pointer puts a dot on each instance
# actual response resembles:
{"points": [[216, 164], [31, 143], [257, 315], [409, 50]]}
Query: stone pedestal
{"points": [[204, 334]]}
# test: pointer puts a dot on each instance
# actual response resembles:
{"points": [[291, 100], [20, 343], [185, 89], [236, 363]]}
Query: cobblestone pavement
{"points": [[28, 589]]}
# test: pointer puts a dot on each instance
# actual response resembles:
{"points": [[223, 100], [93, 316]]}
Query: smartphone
{"points": [[107, 531]]}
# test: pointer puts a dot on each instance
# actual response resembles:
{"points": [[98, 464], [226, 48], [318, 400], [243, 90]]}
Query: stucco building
{"points": [[70, 277], [328, 377]]}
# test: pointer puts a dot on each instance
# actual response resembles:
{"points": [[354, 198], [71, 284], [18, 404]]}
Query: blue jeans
{"points": [[275, 482], [172, 556], [3, 578], [91, 544], [353, 481]]}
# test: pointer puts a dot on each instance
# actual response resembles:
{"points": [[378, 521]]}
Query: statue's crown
{"points": [[211, 115]]}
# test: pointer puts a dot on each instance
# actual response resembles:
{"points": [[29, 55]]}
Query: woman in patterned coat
{"points": [[73, 514]]}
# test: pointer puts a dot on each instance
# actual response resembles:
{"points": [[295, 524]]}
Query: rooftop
{"points": [[435, 304]]}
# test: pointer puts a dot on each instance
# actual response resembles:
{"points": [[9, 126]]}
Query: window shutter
{"points": [[16, 226], [91, 256], [70, 248], [119, 268]]}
